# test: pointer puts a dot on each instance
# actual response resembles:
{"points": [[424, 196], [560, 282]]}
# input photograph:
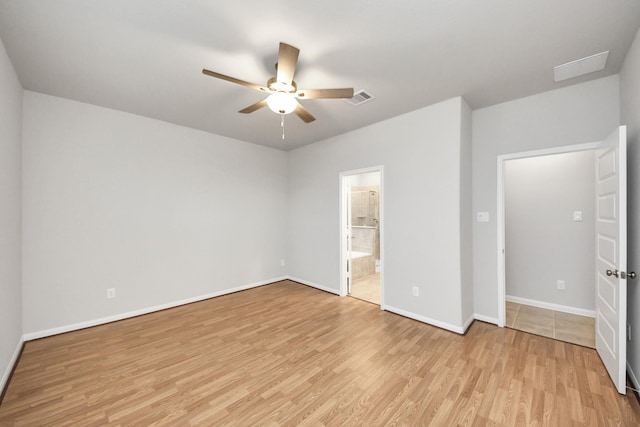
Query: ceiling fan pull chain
{"points": [[282, 125]]}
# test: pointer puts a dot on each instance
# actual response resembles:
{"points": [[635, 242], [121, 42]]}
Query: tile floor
{"points": [[553, 324], [367, 288]]}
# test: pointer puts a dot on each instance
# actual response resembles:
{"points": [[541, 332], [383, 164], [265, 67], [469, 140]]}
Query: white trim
{"points": [[621, 143], [468, 323], [500, 216], [633, 377], [345, 245], [101, 321], [12, 363], [500, 221], [483, 318], [552, 306], [314, 285], [361, 171], [449, 327], [553, 150]]}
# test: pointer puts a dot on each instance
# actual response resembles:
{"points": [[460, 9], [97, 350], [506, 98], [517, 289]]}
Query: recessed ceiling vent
{"points": [[580, 67], [359, 98]]}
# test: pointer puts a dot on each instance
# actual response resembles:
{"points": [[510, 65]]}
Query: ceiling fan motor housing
{"points": [[277, 86]]}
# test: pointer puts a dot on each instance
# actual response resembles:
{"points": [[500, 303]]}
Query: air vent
{"points": [[360, 97], [580, 67]]}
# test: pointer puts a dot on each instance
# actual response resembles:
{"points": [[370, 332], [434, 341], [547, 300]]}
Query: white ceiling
{"points": [[146, 56]]}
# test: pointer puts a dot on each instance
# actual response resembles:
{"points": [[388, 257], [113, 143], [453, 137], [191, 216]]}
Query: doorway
{"points": [[610, 260], [361, 225], [550, 245]]}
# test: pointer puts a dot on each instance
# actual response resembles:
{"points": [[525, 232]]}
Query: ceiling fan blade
{"points": [[324, 93], [253, 107], [234, 80], [304, 114], [287, 61]]}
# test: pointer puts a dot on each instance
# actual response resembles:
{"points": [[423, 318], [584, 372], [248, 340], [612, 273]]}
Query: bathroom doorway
{"points": [[361, 226]]}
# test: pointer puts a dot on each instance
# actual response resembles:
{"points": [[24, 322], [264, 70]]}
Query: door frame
{"points": [[343, 206], [500, 213]]}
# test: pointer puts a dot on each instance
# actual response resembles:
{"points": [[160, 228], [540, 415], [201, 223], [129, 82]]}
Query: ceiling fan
{"points": [[283, 90]]}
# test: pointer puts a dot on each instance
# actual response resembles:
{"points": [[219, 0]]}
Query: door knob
{"points": [[621, 274], [614, 273]]}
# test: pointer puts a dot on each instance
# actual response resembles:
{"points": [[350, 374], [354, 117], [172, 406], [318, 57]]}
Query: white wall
{"points": [[543, 242], [160, 212], [421, 155], [575, 114], [10, 216], [466, 213], [630, 116]]}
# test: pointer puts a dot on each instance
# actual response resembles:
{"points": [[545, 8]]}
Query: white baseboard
{"points": [[551, 306], [633, 377], [95, 322], [453, 328], [467, 324], [12, 363], [314, 285], [483, 318]]}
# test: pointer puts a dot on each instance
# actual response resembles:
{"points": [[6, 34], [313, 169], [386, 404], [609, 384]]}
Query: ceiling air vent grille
{"points": [[359, 98]]}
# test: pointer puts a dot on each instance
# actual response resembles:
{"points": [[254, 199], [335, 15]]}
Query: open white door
{"points": [[611, 255]]}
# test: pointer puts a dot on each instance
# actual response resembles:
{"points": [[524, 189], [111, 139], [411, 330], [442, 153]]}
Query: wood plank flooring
{"points": [[289, 355]]}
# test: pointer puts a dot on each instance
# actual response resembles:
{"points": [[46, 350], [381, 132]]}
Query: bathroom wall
{"points": [[362, 267], [365, 206], [365, 219], [363, 239]]}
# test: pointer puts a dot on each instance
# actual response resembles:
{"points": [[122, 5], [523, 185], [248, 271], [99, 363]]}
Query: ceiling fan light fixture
{"points": [[282, 102], [283, 90]]}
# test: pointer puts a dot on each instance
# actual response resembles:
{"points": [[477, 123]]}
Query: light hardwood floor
{"points": [[289, 355]]}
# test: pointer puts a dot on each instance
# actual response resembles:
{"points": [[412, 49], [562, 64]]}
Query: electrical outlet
{"points": [[482, 217], [561, 285], [416, 291], [111, 293], [282, 262]]}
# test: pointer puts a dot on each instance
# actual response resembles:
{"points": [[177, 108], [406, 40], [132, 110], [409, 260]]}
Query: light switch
{"points": [[483, 216], [577, 216]]}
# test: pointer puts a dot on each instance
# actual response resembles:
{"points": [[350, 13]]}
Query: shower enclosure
{"points": [[365, 234]]}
